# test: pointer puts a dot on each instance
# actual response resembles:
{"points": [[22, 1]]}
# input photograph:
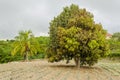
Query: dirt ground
{"points": [[42, 70]]}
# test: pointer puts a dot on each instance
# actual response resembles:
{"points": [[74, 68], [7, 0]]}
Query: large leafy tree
{"points": [[75, 35], [25, 44]]}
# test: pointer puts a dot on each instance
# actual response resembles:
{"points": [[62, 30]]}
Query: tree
{"points": [[5, 51], [75, 35], [115, 42], [43, 41], [115, 45], [25, 44], [116, 36]]}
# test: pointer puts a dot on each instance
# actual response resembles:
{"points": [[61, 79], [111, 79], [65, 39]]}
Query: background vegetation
{"points": [[6, 48], [114, 42], [72, 31]]}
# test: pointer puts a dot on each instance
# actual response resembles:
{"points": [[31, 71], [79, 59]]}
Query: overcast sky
{"points": [[35, 15]]}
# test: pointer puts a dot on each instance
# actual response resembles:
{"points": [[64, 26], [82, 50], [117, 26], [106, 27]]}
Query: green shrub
{"points": [[117, 54], [38, 56]]}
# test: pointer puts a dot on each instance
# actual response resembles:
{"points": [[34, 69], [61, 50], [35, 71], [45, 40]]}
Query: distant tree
{"points": [[116, 36], [25, 44], [115, 45], [43, 41], [75, 35], [115, 41], [5, 51]]}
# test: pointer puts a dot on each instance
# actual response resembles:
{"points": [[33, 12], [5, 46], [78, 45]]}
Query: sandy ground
{"points": [[42, 70]]}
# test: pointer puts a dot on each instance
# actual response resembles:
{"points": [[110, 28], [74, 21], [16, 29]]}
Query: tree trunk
{"points": [[26, 56], [77, 62]]}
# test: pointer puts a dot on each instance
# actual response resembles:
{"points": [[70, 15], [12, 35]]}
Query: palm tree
{"points": [[25, 44]]}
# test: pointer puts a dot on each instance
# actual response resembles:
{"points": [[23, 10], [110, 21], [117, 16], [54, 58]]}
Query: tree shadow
{"points": [[72, 67], [62, 66]]}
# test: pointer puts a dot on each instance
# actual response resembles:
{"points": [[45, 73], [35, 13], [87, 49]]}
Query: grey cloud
{"points": [[16, 15]]}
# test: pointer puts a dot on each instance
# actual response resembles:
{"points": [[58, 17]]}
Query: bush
{"points": [[117, 54], [38, 56]]}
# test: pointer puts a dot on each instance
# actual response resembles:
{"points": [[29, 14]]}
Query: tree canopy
{"points": [[75, 35]]}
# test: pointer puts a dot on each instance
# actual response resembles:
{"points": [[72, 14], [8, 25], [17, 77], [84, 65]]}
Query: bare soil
{"points": [[42, 70]]}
